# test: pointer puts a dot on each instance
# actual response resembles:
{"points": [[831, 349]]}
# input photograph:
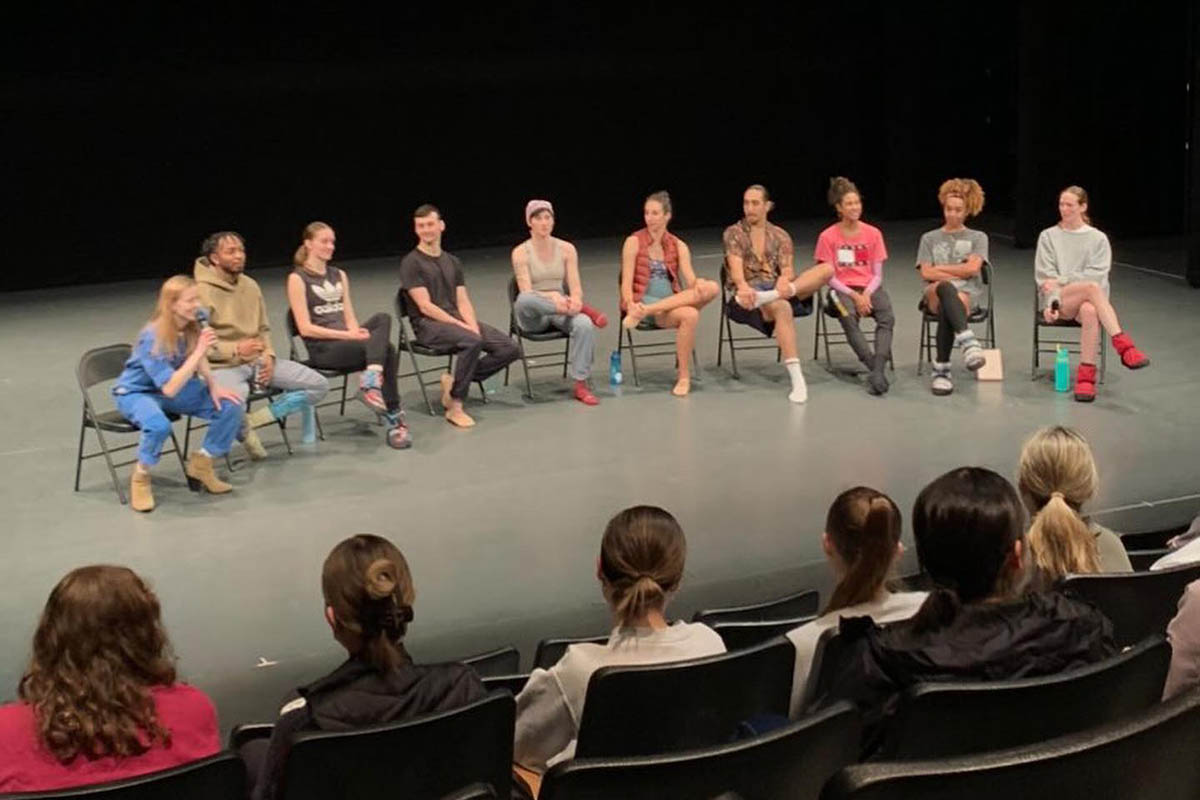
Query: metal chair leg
{"points": [[317, 419], [178, 453], [112, 470], [732, 349], [421, 382], [632, 358], [79, 455], [525, 368]]}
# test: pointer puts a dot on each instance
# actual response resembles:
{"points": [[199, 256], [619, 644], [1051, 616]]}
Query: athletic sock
{"points": [[799, 391]]}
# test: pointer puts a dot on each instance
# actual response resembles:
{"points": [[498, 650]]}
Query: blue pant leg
{"points": [[223, 425], [145, 409]]}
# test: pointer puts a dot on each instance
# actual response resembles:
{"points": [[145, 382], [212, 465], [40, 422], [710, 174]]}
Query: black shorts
{"points": [[754, 317]]}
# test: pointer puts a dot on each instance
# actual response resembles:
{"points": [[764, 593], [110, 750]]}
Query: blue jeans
{"points": [[148, 410], [535, 314]]}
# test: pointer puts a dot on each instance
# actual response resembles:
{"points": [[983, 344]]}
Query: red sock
{"points": [[598, 318], [584, 395]]}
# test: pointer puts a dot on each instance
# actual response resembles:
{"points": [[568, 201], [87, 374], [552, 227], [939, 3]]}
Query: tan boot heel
{"points": [[200, 475]]}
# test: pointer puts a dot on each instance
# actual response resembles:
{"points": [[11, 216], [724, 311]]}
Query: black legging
{"points": [[341, 354], [952, 319]]}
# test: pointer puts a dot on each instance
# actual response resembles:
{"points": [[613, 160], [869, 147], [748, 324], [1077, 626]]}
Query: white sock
{"points": [[762, 298], [799, 391], [204, 452]]}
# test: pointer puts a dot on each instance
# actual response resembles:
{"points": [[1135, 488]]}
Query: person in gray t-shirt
{"points": [[951, 260]]}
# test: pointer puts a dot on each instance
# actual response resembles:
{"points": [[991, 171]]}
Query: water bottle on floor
{"points": [[1062, 370], [614, 368]]}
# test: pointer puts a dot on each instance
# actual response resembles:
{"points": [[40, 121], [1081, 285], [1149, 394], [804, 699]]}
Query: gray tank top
{"points": [[547, 276], [325, 295]]}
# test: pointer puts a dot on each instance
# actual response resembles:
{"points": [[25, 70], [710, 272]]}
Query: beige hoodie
{"points": [[238, 312]]}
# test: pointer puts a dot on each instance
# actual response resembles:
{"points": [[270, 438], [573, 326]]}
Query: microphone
{"points": [[202, 317]]}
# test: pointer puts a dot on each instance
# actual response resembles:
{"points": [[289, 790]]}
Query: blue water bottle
{"points": [[614, 368], [1062, 370]]}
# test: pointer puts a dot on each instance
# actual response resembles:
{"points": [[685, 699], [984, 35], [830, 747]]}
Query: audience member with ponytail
{"points": [[640, 568], [861, 542], [1056, 476], [369, 594], [978, 623]]}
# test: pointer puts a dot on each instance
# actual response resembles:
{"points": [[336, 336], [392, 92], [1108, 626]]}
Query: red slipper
{"points": [[1085, 383], [1130, 355]]}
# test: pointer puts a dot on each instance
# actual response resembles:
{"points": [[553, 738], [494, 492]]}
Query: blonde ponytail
{"points": [[1061, 541]]}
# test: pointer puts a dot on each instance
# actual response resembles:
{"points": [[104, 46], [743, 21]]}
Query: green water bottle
{"points": [[1062, 370]]}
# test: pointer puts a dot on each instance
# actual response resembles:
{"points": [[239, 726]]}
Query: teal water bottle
{"points": [[614, 368], [1062, 370]]}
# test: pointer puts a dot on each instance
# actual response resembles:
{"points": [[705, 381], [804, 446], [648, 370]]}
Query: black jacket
{"points": [[355, 695], [1039, 634]]}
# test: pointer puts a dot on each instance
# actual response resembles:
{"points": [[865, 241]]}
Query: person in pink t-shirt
{"points": [[856, 252], [99, 701]]}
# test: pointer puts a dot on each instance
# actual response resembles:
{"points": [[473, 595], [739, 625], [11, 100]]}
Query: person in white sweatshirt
{"points": [[1071, 269], [640, 567], [862, 543]]}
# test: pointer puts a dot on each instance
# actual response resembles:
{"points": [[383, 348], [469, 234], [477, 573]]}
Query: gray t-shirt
{"points": [[939, 247]]}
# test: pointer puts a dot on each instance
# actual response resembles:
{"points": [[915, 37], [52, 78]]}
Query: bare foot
{"points": [[457, 417], [447, 381], [682, 387], [634, 315]]}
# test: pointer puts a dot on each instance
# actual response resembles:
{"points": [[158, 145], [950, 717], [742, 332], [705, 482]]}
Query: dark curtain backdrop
{"points": [[136, 135]]}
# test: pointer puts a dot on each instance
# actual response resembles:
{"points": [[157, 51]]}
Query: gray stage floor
{"points": [[502, 523]]}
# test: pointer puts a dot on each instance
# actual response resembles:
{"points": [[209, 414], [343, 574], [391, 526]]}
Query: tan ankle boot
{"points": [[250, 441], [140, 496], [200, 475]]}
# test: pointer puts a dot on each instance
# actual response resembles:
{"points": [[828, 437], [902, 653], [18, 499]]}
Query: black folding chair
{"points": [[793, 761], [296, 346], [96, 366], [824, 332], [407, 343], [501, 661], [725, 330], [1042, 344], [984, 313], [938, 720], [1150, 755], [740, 635], [661, 708], [549, 651], [1140, 604], [650, 349], [428, 757], [551, 334], [218, 777], [800, 604]]}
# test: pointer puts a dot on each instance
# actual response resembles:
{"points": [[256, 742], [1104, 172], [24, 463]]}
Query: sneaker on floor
{"points": [[584, 394], [399, 437], [941, 384], [973, 357]]}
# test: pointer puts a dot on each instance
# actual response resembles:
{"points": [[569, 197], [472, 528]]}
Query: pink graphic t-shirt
{"points": [[853, 258]]}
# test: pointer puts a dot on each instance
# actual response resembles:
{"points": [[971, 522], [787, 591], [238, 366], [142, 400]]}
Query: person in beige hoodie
{"points": [[243, 354]]}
